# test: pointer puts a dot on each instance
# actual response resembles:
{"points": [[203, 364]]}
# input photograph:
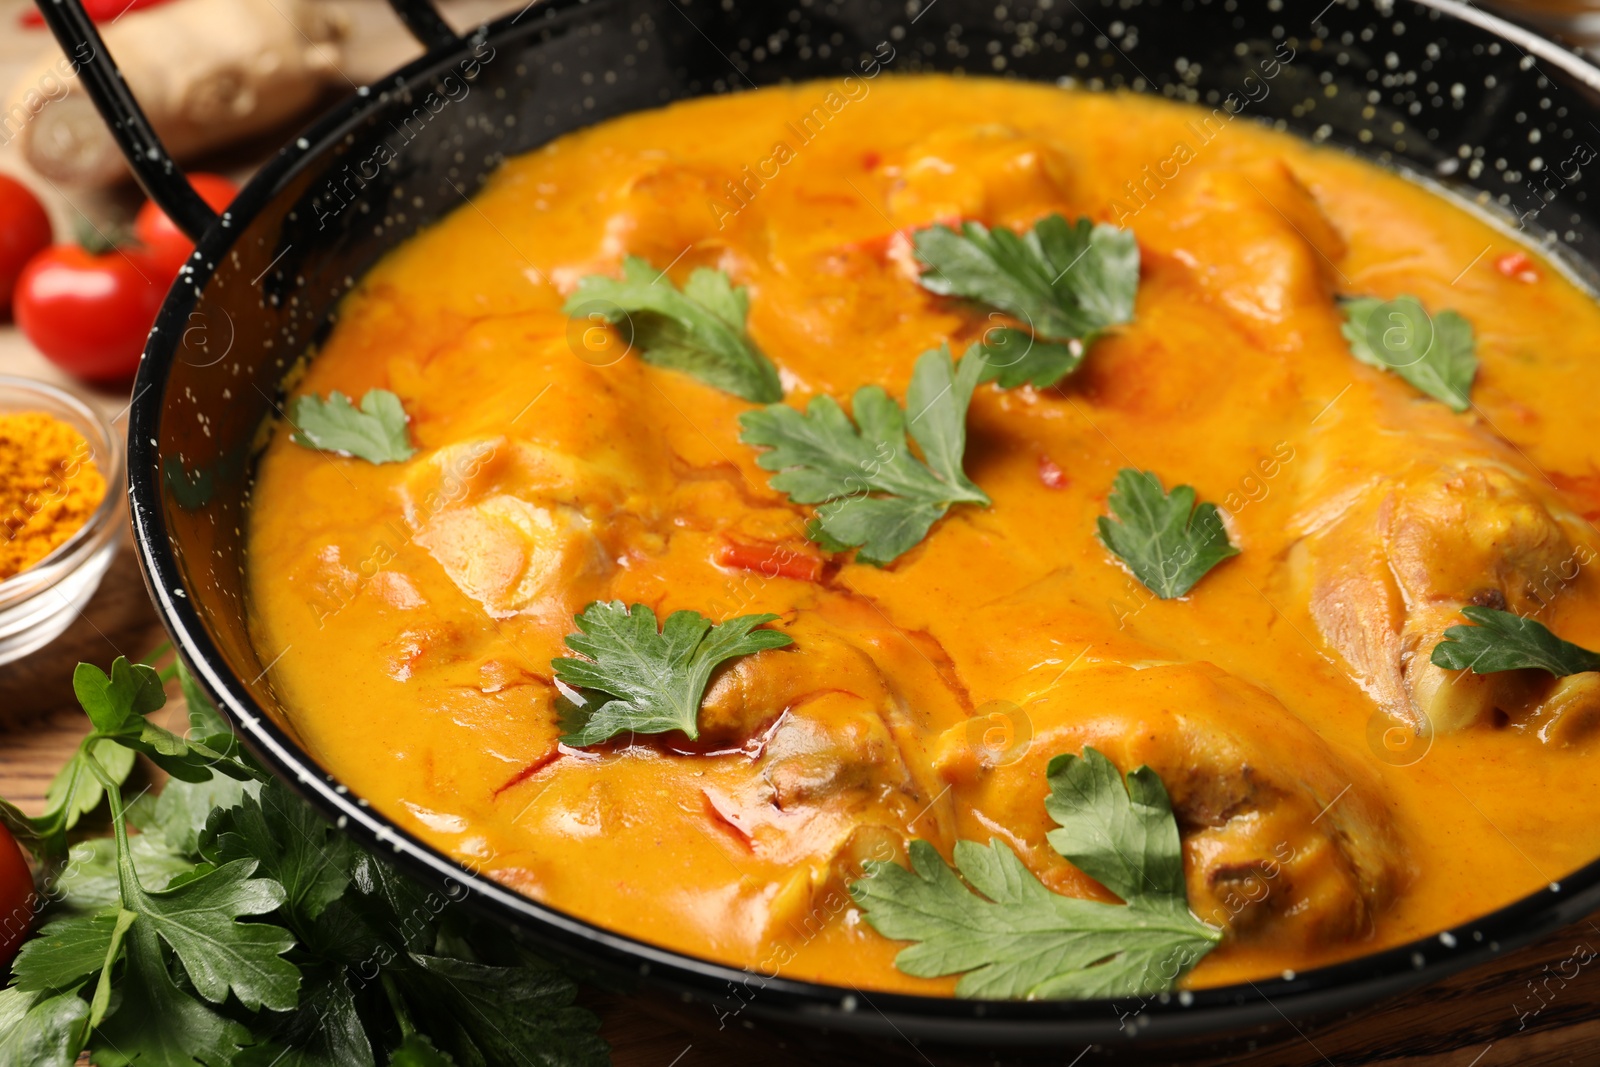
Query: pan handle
{"points": [[423, 20], [152, 167]]}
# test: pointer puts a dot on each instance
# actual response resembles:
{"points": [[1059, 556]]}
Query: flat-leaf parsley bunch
{"points": [[224, 923]]}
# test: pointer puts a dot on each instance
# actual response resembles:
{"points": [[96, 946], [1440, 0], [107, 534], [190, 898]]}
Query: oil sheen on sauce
{"points": [[417, 605]]}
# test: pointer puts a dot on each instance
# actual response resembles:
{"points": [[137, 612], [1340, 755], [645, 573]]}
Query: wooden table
{"points": [[1477, 1019]]}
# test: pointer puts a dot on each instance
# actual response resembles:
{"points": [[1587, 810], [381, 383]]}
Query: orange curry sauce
{"points": [[417, 605]]}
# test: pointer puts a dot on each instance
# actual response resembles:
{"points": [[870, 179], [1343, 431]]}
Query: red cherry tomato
{"points": [[98, 10], [90, 313], [16, 897], [168, 248], [24, 233]]}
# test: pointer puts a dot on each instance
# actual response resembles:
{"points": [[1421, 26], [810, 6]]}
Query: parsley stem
{"points": [[54, 820], [101, 1001], [127, 886], [127, 878], [156, 653], [22, 828], [402, 1016]]}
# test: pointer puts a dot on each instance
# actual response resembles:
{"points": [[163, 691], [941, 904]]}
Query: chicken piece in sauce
{"points": [[1284, 840], [1391, 572], [1395, 544]]}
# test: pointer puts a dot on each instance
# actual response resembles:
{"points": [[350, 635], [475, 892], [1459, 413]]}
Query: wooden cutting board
{"points": [[1520, 1010]]}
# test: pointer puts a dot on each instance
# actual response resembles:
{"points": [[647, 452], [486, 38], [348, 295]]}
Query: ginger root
{"points": [[208, 73]]}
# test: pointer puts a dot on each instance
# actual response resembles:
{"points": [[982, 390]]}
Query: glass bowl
{"points": [[38, 603]]}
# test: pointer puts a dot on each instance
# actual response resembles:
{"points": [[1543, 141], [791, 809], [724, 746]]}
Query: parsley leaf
{"points": [[1504, 641], [1166, 541], [700, 330], [388, 901], [204, 719], [179, 814], [117, 705], [1068, 282], [1434, 353], [129, 692], [655, 681], [483, 1016], [158, 1024], [937, 400], [1123, 835], [207, 728], [1012, 357], [40, 1031], [64, 953], [326, 1030], [375, 432], [198, 919], [1009, 936], [874, 493], [418, 1051], [294, 847]]}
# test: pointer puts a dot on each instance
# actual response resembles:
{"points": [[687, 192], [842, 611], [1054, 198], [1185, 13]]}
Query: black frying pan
{"points": [[1434, 87]]}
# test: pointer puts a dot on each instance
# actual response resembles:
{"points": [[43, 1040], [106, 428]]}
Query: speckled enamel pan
{"points": [[1487, 112]]}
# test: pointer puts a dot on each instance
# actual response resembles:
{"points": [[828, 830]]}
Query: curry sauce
{"points": [[411, 610]]}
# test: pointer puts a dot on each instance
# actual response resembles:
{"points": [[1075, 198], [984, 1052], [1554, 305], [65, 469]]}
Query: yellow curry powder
{"points": [[49, 486]]}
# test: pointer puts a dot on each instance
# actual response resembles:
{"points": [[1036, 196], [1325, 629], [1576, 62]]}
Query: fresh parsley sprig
{"points": [[646, 681], [1008, 936], [1068, 282], [699, 330], [1435, 353], [873, 492], [375, 432], [192, 921], [117, 705], [1505, 641], [238, 928], [1167, 541]]}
